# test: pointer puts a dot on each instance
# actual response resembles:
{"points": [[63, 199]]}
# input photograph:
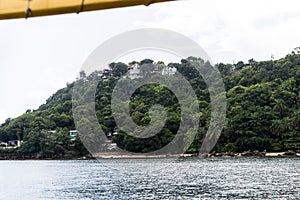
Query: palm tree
{"points": [[295, 119], [279, 126], [279, 107]]}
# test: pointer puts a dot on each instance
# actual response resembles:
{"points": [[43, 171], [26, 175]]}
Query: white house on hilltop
{"points": [[168, 71], [134, 72]]}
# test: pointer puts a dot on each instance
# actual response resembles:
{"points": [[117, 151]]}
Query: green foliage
{"points": [[118, 69], [263, 112]]}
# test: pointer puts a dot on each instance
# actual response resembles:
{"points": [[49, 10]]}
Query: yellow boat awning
{"points": [[11, 9]]}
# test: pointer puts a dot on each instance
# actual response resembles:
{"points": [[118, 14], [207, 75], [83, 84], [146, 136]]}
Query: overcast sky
{"points": [[38, 56]]}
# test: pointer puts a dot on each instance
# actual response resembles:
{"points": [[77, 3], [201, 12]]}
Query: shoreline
{"points": [[256, 154], [246, 154]]}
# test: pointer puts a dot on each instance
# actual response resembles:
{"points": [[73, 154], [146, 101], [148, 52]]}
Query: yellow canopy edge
{"points": [[11, 9]]}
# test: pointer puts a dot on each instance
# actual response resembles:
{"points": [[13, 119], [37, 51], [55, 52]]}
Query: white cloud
{"points": [[233, 29]]}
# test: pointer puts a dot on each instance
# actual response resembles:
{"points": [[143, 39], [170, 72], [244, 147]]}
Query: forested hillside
{"points": [[263, 111]]}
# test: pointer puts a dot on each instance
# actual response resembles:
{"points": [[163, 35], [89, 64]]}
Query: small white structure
{"points": [[168, 71], [3, 144], [12, 143], [73, 135], [134, 71], [112, 146], [52, 131], [115, 133]]}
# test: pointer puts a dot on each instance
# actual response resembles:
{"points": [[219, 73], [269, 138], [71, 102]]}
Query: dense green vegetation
{"points": [[36, 129], [263, 111]]}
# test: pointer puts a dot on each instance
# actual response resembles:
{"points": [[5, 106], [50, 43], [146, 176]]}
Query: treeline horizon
{"points": [[263, 111]]}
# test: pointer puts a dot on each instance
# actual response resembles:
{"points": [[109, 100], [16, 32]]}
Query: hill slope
{"points": [[263, 111]]}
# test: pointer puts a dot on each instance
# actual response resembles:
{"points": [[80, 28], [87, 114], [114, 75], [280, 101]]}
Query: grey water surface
{"points": [[214, 178]]}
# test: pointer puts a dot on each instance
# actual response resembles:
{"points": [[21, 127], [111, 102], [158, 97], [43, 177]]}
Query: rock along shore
{"points": [[254, 154], [142, 156]]}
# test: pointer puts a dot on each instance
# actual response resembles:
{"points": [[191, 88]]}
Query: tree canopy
{"points": [[263, 110]]}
